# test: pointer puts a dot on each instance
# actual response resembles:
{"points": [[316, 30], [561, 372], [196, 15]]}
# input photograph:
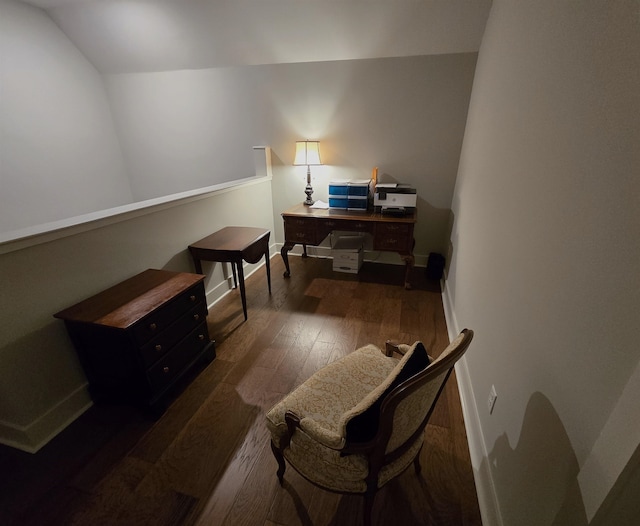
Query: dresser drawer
{"points": [[162, 343], [394, 236], [177, 359], [161, 319]]}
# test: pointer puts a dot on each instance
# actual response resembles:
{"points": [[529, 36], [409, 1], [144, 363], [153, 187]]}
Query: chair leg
{"points": [[416, 462], [281, 463], [368, 507]]}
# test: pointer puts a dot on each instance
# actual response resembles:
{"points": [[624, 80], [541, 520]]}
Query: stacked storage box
{"points": [[349, 195], [338, 195], [347, 253]]}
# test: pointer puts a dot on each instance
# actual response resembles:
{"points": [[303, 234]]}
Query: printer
{"points": [[394, 199]]}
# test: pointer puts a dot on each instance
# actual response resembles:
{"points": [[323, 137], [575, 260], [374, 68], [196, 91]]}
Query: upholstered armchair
{"points": [[359, 422]]}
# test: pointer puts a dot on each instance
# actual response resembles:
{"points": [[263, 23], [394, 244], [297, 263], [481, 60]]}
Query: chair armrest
{"points": [[391, 347], [293, 422], [314, 430]]}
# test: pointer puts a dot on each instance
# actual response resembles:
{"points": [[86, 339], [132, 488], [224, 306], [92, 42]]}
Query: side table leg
{"points": [[268, 265], [233, 270], [284, 252], [198, 265], [242, 291]]}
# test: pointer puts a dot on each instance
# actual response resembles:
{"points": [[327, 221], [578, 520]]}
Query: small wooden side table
{"points": [[233, 244]]}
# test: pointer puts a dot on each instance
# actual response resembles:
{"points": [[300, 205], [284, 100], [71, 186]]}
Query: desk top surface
{"points": [[302, 210], [232, 239]]}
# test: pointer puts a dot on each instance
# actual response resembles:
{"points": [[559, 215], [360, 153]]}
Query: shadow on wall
{"points": [[536, 483], [622, 506], [434, 226]]}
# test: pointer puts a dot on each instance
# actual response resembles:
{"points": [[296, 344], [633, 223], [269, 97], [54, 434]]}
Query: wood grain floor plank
{"points": [[151, 446], [220, 502], [207, 460]]}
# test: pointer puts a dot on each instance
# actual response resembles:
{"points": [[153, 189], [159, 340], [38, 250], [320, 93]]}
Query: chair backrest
{"points": [[405, 411]]}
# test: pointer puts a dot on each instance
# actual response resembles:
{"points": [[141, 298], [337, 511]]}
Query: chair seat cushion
{"points": [[322, 400]]}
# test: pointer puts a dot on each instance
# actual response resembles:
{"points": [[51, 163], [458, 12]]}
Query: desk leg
{"points": [[409, 261], [268, 265], [304, 251], [242, 291], [284, 252]]}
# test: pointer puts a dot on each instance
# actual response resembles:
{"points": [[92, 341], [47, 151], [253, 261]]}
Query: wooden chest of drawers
{"points": [[137, 339]]}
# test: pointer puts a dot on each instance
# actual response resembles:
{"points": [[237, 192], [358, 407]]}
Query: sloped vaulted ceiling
{"points": [[127, 36]]}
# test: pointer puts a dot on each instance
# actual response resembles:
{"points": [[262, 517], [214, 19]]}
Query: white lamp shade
{"points": [[307, 153]]}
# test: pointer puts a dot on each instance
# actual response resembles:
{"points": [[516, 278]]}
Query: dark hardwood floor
{"points": [[207, 460]]}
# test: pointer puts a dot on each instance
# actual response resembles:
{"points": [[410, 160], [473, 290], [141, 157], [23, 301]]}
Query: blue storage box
{"points": [[337, 189], [352, 195], [338, 202], [358, 189], [357, 202]]}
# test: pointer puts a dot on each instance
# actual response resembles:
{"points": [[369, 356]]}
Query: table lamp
{"points": [[308, 153]]}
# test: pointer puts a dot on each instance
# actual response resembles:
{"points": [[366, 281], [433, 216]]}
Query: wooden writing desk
{"points": [[233, 244], [309, 226]]}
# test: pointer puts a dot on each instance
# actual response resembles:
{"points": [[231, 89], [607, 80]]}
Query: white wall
{"points": [[164, 35], [42, 386], [186, 105], [186, 129], [546, 253], [60, 154]]}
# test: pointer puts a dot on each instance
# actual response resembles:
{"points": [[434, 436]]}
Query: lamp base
{"points": [[309, 191]]}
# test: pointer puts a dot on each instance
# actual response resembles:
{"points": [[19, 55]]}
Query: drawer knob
{"points": [[200, 337], [192, 297], [158, 347], [152, 326], [196, 317], [165, 370]]}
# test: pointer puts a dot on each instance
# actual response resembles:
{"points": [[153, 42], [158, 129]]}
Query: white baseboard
{"points": [[32, 437], [485, 488]]}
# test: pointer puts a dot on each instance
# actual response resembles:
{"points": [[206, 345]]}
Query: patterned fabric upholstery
{"points": [[329, 400], [323, 399]]}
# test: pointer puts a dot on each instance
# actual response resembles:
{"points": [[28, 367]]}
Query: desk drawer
{"points": [[394, 236], [326, 226], [157, 321], [300, 230]]}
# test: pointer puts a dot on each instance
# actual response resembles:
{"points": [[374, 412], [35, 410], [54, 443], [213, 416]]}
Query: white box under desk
{"points": [[347, 254]]}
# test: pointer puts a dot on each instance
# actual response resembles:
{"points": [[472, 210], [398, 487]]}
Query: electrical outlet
{"points": [[491, 401]]}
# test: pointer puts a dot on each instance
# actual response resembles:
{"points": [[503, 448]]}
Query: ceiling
{"points": [[130, 36]]}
